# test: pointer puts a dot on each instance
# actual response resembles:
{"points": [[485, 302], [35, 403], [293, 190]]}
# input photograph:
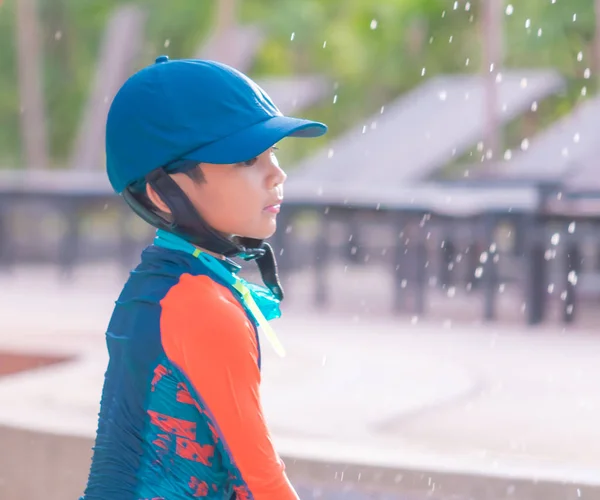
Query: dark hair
{"points": [[138, 190]]}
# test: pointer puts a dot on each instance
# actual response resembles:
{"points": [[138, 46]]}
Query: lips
{"points": [[274, 207]]}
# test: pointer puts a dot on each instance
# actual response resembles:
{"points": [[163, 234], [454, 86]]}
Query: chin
{"points": [[262, 233]]}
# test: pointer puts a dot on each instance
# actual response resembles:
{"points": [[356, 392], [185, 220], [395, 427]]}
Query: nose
{"points": [[277, 176]]}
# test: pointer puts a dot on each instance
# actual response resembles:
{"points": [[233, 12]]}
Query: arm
{"points": [[206, 332]]}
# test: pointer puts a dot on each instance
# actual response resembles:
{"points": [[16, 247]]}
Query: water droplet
{"points": [[455, 5], [451, 291], [450, 39], [423, 72], [534, 106], [498, 77], [364, 129], [565, 152], [414, 320], [550, 288], [293, 36], [563, 295], [525, 144], [324, 360], [167, 43], [330, 153], [334, 98], [443, 14], [468, 6], [58, 35], [443, 95], [584, 91], [555, 239], [467, 61], [509, 10], [374, 24], [572, 227], [524, 83], [528, 23], [501, 287], [572, 278], [480, 146], [580, 56], [569, 309], [574, 17], [479, 272], [325, 44], [587, 73], [507, 154]]}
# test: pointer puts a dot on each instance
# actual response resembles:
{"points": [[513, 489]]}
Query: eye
{"points": [[249, 163], [252, 162]]}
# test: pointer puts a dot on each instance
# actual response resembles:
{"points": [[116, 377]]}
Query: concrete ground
{"points": [[359, 389]]}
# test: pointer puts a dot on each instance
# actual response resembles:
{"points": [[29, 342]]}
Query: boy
{"points": [[190, 147]]}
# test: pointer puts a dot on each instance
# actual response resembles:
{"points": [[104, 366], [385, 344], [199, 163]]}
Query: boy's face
{"points": [[239, 199]]}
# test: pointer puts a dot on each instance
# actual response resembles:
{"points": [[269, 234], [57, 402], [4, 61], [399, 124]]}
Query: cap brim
{"points": [[252, 141]]}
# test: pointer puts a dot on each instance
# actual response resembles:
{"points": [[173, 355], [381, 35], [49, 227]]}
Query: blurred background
{"points": [[439, 247]]}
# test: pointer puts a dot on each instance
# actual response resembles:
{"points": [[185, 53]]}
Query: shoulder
{"points": [[198, 308]]}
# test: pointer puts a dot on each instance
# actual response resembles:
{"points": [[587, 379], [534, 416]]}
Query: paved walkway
{"points": [[381, 392]]}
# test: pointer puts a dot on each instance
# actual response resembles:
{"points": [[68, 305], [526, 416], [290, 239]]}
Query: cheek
{"points": [[230, 207]]}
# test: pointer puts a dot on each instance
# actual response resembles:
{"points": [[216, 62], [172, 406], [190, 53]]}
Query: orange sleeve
{"points": [[206, 332]]}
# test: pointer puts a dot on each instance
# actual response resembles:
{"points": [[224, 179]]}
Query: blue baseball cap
{"points": [[196, 110]]}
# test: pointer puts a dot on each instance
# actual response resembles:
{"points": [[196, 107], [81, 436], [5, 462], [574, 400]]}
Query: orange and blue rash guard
{"points": [[180, 413]]}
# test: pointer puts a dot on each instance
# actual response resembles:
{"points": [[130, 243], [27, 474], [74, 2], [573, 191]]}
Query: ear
{"points": [[156, 199]]}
